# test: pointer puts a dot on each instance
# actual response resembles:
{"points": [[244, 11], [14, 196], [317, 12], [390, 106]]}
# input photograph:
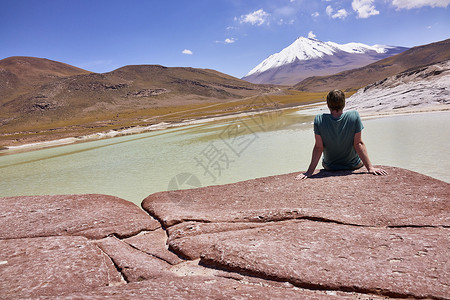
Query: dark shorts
{"points": [[360, 165]]}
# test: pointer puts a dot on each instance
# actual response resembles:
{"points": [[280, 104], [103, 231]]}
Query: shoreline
{"points": [[139, 129], [312, 108]]}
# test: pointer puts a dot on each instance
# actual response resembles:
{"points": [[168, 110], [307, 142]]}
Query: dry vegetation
{"points": [[40, 130]]}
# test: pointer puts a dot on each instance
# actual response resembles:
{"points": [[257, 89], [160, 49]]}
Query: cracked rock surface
{"points": [[337, 231], [92, 216], [342, 235], [403, 198], [391, 261]]}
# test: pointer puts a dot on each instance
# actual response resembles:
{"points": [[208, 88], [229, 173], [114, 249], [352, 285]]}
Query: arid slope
{"points": [[45, 100], [354, 79], [20, 74]]}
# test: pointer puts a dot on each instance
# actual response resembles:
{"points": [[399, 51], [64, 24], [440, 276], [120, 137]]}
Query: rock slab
{"points": [[92, 215], [51, 266], [135, 265], [400, 262], [336, 231], [341, 235], [403, 198]]}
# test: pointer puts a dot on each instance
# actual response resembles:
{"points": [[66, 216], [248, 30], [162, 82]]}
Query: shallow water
{"points": [[133, 167]]}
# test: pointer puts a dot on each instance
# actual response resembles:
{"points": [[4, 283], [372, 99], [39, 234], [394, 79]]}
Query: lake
{"points": [[133, 167]]}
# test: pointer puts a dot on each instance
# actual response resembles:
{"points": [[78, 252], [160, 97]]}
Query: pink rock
{"points": [[92, 216], [331, 236], [135, 265], [403, 198], [342, 231], [32, 267], [406, 262], [154, 243], [191, 239], [206, 287]]}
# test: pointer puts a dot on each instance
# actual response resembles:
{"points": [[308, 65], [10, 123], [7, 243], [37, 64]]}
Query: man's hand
{"points": [[302, 176], [377, 171]]}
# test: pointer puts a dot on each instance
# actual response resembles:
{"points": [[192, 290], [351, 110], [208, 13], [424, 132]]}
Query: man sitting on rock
{"points": [[338, 137]]}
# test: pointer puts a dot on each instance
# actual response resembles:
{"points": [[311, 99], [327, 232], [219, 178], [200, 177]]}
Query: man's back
{"points": [[337, 136]]}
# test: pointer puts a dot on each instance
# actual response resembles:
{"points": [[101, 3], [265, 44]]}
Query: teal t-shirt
{"points": [[337, 136]]}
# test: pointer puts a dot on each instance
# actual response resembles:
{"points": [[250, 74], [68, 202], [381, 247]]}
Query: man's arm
{"points": [[316, 154], [361, 149]]}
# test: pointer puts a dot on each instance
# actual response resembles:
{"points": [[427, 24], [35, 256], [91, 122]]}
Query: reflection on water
{"points": [[132, 167]]}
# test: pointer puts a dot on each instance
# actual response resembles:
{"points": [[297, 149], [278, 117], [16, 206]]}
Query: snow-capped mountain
{"points": [[310, 57]]}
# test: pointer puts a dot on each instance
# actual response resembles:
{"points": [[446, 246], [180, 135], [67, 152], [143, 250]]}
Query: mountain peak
{"points": [[301, 49], [306, 50]]}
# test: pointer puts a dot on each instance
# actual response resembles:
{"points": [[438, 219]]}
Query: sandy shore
{"points": [[308, 109], [143, 129]]}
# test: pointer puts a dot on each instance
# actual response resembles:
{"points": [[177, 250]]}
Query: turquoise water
{"points": [[133, 167]]}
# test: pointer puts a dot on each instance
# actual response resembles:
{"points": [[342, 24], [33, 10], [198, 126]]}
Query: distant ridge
{"points": [[307, 57], [40, 93], [20, 74], [27, 67], [353, 79]]}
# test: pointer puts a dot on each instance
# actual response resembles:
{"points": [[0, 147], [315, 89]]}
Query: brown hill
{"points": [[354, 79], [20, 74], [183, 81], [32, 67], [40, 95], [127, 88]]}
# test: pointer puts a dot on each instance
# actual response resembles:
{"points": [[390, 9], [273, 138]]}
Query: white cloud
{"points": [[258, 17], [227, 41], [341, 14], [329, 10], [187, 51], [409, 4], [283, 21], [364, 8], [311, 35], [315, 15]]}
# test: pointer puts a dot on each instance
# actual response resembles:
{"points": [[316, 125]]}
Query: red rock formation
{"points": [[346, 231], [92, 216], [403, 198], [343, 235]]}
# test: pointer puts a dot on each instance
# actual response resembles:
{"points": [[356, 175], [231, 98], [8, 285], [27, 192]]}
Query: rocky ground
{"points": [[341, 235]]}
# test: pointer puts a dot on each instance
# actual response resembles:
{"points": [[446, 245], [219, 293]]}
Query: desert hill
{"points": [[185, 81], [42, 95], [32, 67], [29, 84], [20, 74], [351, 80], [128, 88]]}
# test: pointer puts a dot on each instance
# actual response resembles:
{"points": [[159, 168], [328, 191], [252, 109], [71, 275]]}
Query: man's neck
{"points": [[336, 113]]}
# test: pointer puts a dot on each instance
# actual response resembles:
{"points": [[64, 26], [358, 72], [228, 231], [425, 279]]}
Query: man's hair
{"points": [[336, 100]]}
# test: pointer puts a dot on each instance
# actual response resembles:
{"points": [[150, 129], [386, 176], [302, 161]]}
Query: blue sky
{"points": [[230, 36]]}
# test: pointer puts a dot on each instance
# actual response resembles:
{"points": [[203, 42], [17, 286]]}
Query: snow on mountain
{"points": [[310, 57], [307, 48]]}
